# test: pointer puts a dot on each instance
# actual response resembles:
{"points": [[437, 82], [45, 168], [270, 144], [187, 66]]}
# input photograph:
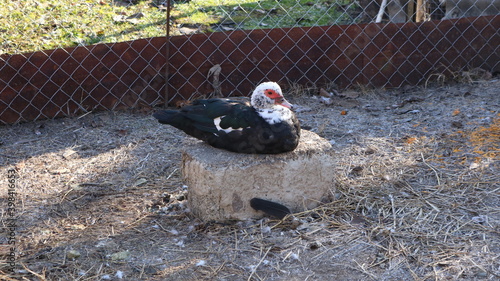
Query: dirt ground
{"points": [[417, 196]]}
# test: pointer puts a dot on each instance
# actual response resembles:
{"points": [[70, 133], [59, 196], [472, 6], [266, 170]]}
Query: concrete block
{"points": [[222, 183]]}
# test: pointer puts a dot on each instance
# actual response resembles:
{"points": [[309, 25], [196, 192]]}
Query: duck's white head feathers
{"points": [[269, 102]]}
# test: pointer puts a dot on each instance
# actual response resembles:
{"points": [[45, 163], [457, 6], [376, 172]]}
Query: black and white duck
{"points": [[264, 125]]}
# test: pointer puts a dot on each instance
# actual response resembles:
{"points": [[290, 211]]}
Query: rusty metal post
{"points": [[167, 54]]}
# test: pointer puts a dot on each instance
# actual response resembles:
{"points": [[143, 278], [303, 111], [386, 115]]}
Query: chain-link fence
{"points": [[222, 48]]}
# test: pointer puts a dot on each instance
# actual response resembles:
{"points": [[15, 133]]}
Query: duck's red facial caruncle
{"points": [[278, 99], [272, 94]]}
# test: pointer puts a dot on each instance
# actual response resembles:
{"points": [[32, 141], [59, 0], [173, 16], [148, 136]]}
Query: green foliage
{"points": [[251, 14], [32, 25]]}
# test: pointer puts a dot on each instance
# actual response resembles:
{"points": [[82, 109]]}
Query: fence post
{"points": [[167, 54], [421, 10], [411, 10]]}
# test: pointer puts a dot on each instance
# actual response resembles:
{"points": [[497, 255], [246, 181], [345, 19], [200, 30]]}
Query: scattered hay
{"points": [[468, 77], [416, 197]]}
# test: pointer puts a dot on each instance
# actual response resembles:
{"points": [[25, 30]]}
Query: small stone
{"points": [[369, 151], [349, 94], [457, 124], [326, 101], [266, 230], [474, 165], [356, 170], [314, 245], [78, 226], [324, 93], [482, 274], [120, 256], [72, 254], [119, 274], [295, 223]]}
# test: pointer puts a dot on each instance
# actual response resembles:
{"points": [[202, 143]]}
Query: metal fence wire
{"points": [[68, 58]]}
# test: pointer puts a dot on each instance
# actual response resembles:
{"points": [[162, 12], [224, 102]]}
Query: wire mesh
{"points": [[377, 55], [68, 58]]}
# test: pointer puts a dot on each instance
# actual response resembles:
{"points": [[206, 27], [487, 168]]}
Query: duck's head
{"points": [[268, 95]]}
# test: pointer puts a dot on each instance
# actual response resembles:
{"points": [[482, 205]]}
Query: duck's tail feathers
{"points": [[166, 116]]}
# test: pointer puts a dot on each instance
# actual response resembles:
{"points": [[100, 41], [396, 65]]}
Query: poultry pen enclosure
{"points": [[411, 110]]}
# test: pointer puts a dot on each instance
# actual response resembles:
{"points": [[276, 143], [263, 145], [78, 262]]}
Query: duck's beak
{"points": [[283, 102]]}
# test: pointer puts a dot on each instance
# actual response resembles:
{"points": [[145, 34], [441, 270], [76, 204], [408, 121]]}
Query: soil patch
{"points": [[416, 197]]}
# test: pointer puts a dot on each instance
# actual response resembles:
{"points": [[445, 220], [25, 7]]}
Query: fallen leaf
{"points": [[410, 140], [140, 182]]}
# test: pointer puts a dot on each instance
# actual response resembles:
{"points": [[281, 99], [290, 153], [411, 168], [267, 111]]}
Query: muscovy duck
{"points": [[265, 125]]}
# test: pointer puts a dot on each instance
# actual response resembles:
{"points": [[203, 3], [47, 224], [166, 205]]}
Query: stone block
{"points": [[222, 183]]}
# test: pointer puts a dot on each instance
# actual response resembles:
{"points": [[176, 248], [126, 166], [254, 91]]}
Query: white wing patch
{"points": [[276, 114], [228, 130]]}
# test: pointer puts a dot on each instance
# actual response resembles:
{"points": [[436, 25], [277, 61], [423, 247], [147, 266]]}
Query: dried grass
{"points": [[445, 74], [414, 198]]}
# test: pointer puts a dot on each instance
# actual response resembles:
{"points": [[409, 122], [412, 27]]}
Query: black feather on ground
{"points": [[271, 208]]}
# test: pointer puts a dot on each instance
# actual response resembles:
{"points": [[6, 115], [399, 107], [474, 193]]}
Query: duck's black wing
{"points": [[205, 119], [232, 125]]}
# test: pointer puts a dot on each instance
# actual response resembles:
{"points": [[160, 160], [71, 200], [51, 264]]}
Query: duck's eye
{"points": [[271, 93]]}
